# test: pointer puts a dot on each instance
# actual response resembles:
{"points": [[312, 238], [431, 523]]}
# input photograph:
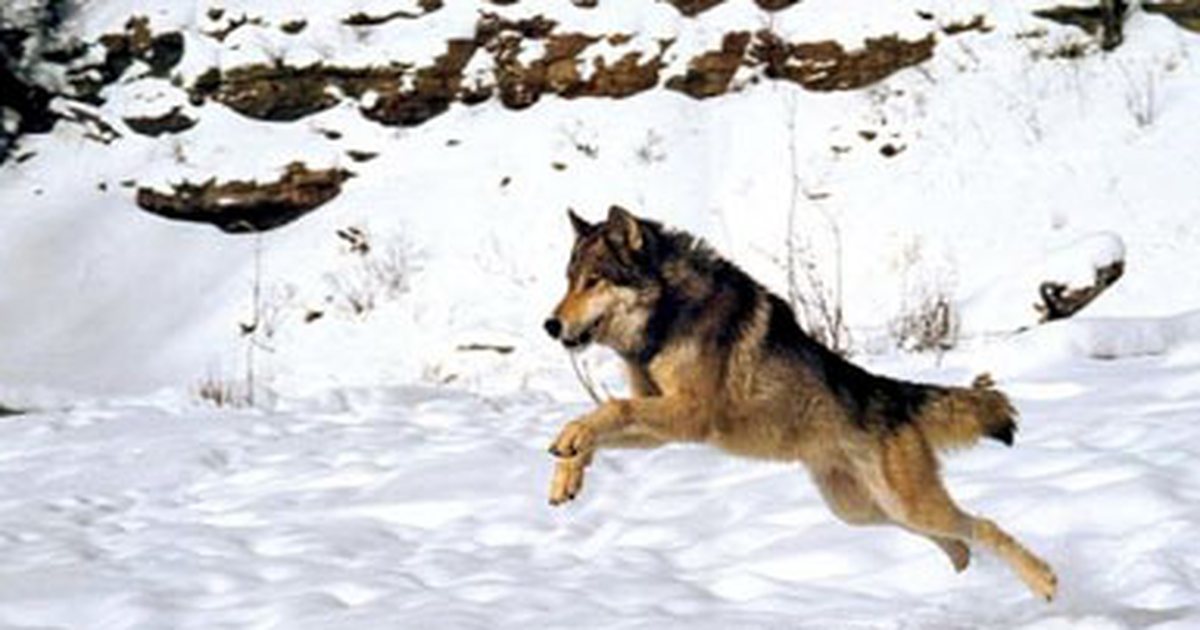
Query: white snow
{"points": [[389, 477], [426, 507]]}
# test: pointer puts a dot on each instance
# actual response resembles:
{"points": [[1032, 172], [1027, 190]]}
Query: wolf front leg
{"points": [[666, 419], [568, 471], [637, 423]]}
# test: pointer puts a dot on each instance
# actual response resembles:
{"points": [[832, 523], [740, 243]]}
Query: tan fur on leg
{"points": [[851, 503], [907, 486], [568, 478]]}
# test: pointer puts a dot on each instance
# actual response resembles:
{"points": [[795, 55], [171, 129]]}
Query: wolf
{"points": [[713, 357]]}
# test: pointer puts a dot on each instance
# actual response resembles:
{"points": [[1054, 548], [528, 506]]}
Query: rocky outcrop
{"points": [[819, 66], [280, 92], [825, 66], [692, 8], [710, 73], [406, 96], [160, 52], [515, 61], [30, 102], [22, 93], [247, 206], [1185, 13], [1060, 301], [434, 88], [1105, 19], [174, 121]]}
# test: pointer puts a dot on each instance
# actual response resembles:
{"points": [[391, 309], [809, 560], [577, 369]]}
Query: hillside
{"points": [[344, 223]]}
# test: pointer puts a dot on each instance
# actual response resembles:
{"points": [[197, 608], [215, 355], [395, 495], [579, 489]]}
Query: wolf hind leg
{"points": [[958, 551], [906, 485], [850, 501]]}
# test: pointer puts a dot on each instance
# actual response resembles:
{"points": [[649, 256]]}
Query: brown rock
{"points": [[827, 66], [1185, 13], [241, 206], [174, 121], [693, 8], [775, 5], [435, 87], [1060, 301], [710, 73]]}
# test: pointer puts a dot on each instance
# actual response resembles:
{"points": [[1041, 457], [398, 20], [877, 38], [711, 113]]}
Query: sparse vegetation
{"points": [[814, 292], [1141, 93], [222, 392], [651, 151], [928, 322], [378, 273], [928, 319]]}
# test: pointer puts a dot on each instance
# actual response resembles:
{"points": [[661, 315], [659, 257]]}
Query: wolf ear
{"points": [[626, 228], [580, 226]]}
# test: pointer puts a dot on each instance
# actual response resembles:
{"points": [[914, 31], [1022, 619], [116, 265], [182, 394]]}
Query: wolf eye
{"points": [[591, 281]]}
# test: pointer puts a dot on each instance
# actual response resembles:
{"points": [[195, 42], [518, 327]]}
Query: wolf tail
{"points": [[959, 416]]}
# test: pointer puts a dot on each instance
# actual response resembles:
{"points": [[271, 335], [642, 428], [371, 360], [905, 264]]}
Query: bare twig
{"points": [[584, 380]]}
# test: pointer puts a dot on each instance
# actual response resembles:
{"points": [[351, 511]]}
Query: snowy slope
{"points": [[390, 475], [1007, 157]]}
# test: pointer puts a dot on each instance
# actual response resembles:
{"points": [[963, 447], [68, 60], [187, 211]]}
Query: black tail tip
{"points": [[1005, 434]]}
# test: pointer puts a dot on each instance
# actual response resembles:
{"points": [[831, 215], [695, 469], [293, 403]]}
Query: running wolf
{"points": [[713, 357]]}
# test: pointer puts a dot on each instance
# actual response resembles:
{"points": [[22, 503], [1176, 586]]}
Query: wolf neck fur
{"points": [[698, 287]]}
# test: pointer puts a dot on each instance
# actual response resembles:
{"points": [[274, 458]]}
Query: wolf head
{"points": [[613, 283]]}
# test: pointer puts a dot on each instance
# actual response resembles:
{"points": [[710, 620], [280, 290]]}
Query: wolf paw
{"points": [[1043, 582], [1040, 578], [575, 438], [567, 481]]}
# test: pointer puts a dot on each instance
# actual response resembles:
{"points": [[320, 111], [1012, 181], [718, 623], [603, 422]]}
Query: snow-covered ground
{"points": [[390, 476], [417, 507]]}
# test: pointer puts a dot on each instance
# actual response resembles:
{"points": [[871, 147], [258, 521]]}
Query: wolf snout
{"points": [[553, 327]]}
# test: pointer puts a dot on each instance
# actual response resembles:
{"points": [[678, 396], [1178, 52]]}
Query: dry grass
{"points": [[928, 324], [222, 392]]}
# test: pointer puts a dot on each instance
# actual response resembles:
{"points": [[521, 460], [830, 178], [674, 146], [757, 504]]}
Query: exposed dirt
{"points": [[247, 206]]}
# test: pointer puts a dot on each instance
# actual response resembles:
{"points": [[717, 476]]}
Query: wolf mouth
{"points": [[584, 338]]}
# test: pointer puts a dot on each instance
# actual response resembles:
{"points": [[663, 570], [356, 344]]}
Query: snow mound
{"points": [[1056, 344]]}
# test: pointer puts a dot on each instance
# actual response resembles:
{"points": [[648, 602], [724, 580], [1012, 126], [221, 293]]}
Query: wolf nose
{"points": [[553, 327]]}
